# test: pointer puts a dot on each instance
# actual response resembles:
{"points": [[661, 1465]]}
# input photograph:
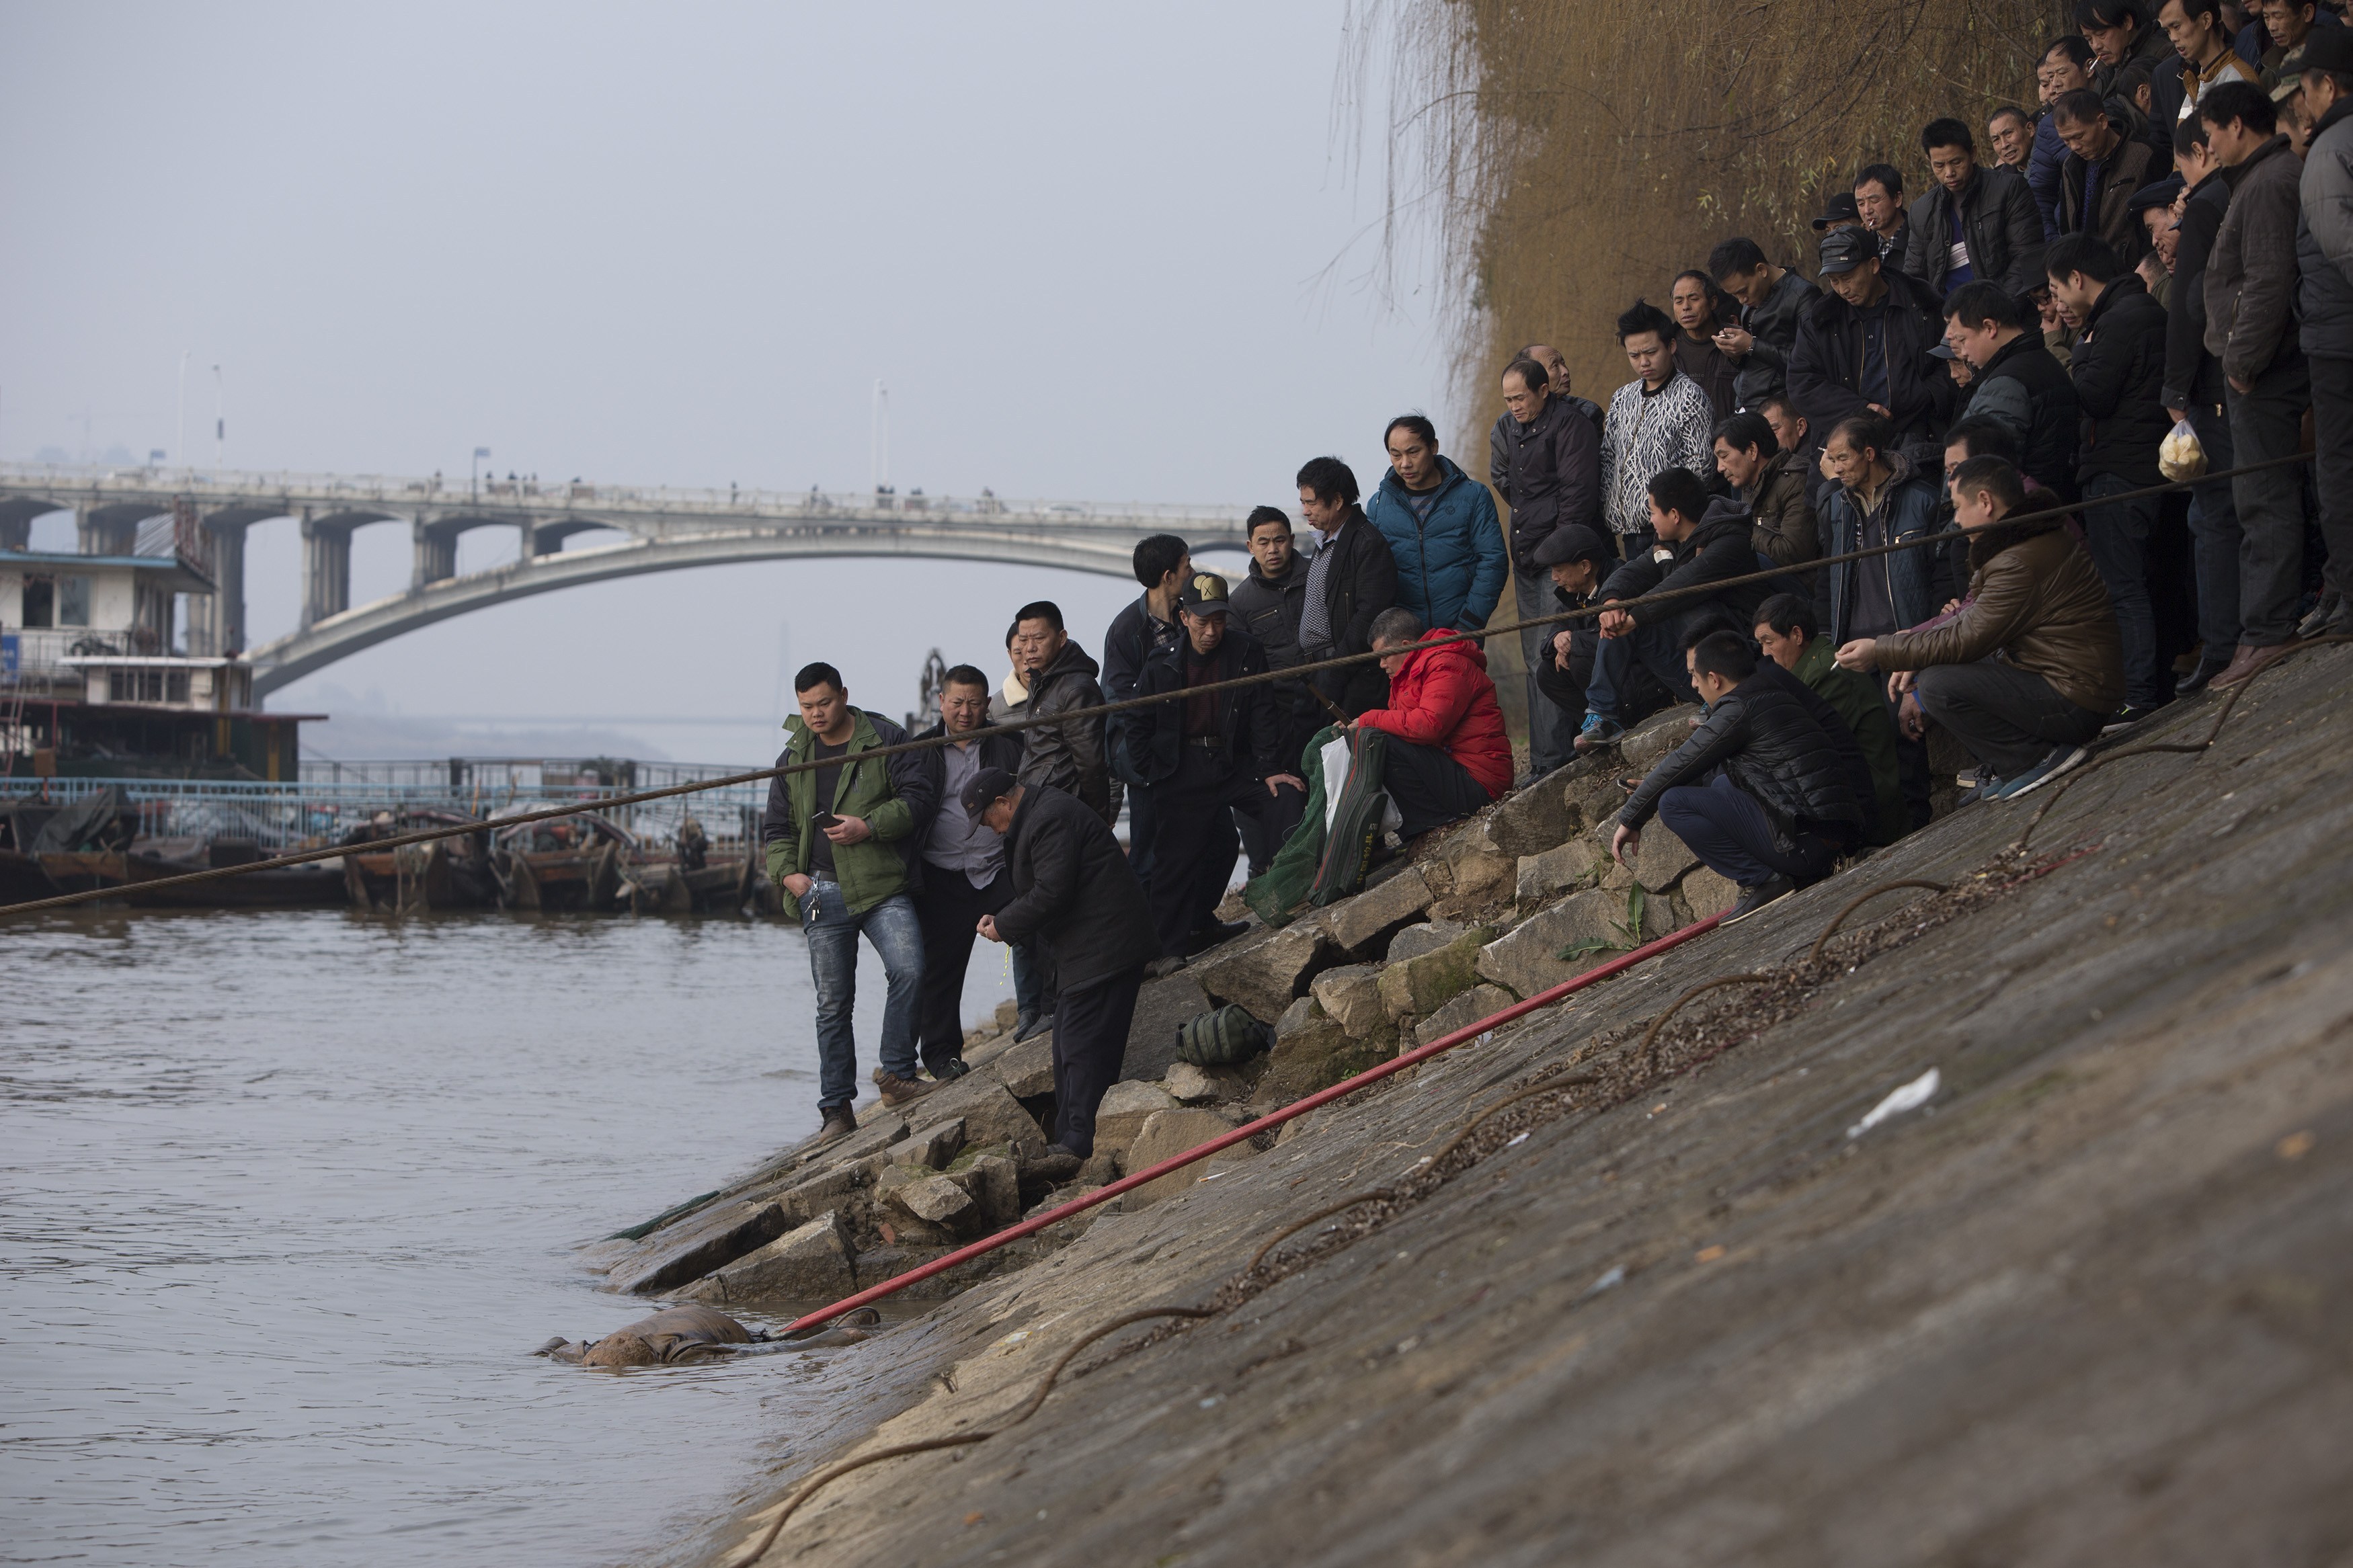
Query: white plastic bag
{"points": [[2179, 456]]}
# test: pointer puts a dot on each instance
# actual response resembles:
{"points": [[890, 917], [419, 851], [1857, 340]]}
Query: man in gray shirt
{"points": [[964, 866]]}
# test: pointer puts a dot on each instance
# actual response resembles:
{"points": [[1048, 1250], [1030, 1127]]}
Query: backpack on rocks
{"points": [[1221, 1038]]}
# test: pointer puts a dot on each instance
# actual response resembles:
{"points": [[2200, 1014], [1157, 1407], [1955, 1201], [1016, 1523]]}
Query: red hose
{"points": [[1297, 1108]]}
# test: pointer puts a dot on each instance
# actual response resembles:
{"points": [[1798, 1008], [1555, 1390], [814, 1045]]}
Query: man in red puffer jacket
{"points": [[1448, 754]]}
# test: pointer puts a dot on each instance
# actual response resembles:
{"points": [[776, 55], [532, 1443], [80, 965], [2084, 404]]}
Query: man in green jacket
{"points": [[843, 841], [1791, 637]]}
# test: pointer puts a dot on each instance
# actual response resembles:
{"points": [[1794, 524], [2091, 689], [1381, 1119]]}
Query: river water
{"points": [[286, 1199]]}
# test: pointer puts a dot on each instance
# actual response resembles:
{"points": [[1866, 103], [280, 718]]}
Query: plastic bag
{"points": [[2179, 456]]}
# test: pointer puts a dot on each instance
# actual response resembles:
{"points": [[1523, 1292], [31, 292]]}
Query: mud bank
{"points": [[2086, 1301]]}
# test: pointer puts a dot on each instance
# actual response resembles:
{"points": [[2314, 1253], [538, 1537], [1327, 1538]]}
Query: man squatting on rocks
{"points": [[2164, 247]]}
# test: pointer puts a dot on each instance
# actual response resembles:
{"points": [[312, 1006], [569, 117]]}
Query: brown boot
{"points": [[897, 1090], [2249, 662], [839, 1124]]}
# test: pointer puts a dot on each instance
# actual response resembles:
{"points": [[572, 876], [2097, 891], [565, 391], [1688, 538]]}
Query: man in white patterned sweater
{"points": [[1660, 420]]}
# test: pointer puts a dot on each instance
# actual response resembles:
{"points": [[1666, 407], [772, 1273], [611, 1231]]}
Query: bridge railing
{"points": [[542, 498]]}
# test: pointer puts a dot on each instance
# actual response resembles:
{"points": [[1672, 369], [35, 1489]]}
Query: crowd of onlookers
{"points": [[1983, 390]]}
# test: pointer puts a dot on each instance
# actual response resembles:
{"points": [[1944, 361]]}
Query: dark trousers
{"points": [[1142, 819], [949, 910], [1550, 731], [1657, 648], [2269, 422], [1262, 832], [1431, 788], [1194, 842], [2215, 538], [2332, 429], [2010, 719], [1091, 1025], [1723, 825], [1639, 697], [2118, 532]]}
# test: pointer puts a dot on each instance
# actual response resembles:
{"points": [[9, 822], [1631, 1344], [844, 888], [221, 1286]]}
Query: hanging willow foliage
{"points": [[1554, 161]]}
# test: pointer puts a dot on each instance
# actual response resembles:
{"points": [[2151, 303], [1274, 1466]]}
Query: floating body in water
{"points": [[680, 1334]]}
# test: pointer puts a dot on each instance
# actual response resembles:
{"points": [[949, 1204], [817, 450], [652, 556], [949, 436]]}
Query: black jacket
{"points": [[2132, 166], [1774, 325], [998, 749], [1761, 736], [1826, 367], [2324, 295], [1834, 728], [2026, 388], [1247, 723], [2118, 366], [1133, 635], [1073, 894], [1548, 471], [1718, 548], [1269, 608], [1359, 584], [1998, 223], [2193, 378], [1069, 755]]}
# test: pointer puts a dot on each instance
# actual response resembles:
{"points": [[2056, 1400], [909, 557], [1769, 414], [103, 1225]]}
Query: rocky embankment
{"points": [[1707, 1289]]}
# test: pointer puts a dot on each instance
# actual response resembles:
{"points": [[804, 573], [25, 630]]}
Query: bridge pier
{"points": [[326, 568], [216, 620], [17, 515], [436, 554], [111, 529]]}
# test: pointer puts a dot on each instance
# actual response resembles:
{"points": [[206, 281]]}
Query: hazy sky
{"points": [[1097, 252]]}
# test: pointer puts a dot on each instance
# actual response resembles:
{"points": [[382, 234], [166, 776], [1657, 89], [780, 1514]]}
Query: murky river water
{"points": [[285, 1199]]}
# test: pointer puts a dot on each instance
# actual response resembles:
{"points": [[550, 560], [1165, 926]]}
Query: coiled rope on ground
{"points": [[1294, 672]]}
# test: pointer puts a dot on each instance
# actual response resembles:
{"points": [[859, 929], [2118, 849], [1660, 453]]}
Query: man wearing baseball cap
{"points": [[1079, 907], [1864, 347], [1206, 757]]}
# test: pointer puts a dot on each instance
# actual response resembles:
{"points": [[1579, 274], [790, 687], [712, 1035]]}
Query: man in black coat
{"points": [[2018, 382], [1864, 346], [1351, 579], [1267, 604], [1543, 459], [1771, 300], [1700, 541], [2119, 368], [1162, 562], [1075, 898], [964, 864], [1061, 679], [1204, 757], [1977, 223], [2194, 391], [1759, 793]]}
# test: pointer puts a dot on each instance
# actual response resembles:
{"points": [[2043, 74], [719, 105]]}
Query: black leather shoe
{"points": [[1756, 898], [2192, 684]]}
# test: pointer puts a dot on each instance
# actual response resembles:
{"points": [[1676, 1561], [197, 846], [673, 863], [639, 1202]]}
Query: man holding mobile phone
{"points": [[844, 841]]}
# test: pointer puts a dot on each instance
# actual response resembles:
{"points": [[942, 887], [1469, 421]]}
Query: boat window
{"points": [[40, 601], [73, 601]]}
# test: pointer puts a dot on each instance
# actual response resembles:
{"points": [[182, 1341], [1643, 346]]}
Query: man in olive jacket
{"points": [[844, 844], [2036, 601], [1074, 897]]}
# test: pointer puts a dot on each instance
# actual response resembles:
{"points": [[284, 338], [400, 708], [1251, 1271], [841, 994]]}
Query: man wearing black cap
{"points": [[1081, 908], [1576, 560], [1864, 347], [1205, 757], [1839, 211]]}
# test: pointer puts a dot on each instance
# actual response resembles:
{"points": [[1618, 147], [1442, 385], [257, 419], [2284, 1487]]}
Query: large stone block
{"points": [[993, 1184], [1168, 1134], [934, 1201], [1314, 1052], [1707, 893], [1656, 736], [1124, 1111], [1351, 996], [708, 1240], [1427, 937], [1162, 1007], [1419, 985], [1357, 923], [1543, 877], [1479, 1002], [993, 1116], [1026, 1067], [1532, 821], [807, 1264], [1664, 858], [1525, 962], [1264, 973], [934, 1145], [1188, 1084], [1480, 871]]}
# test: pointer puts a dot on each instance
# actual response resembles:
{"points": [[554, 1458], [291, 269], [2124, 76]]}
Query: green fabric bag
{"points": [[1356, 832], [1221, 1038], [1278, 896]]}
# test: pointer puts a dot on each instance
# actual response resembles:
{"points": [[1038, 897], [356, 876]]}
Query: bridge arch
{"points": [[1107, 553]]}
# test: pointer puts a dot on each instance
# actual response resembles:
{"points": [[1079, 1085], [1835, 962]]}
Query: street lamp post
{"points": [[220, 419]]}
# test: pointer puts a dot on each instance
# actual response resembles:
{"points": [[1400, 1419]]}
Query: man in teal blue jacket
{"points": [[1441, 527]]}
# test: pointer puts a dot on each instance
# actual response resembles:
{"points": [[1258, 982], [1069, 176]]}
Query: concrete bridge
{"points": [[668, 530]]}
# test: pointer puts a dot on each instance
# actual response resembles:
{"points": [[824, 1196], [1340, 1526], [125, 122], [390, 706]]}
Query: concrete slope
{"points": [[2092, 1303]]}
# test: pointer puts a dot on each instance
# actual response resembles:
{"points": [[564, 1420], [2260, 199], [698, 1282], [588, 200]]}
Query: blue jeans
{"points": [[2118, 534], [1723, 825], [1658, 649], [832, 933]]}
